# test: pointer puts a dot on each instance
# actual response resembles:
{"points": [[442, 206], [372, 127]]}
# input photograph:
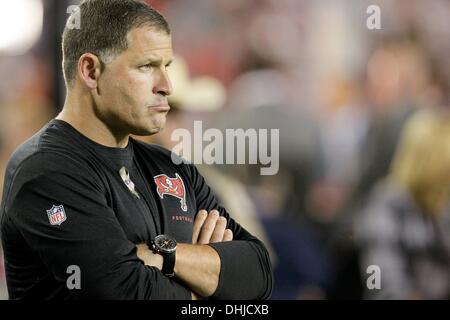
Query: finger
{"points": [[208, 227], [198, 223], [227, 235], [219, 230], [141, 246], [141, 250]]}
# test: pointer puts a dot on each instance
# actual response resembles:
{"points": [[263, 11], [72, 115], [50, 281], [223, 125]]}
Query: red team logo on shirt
{"points": [[173, 187], [56, 215]]}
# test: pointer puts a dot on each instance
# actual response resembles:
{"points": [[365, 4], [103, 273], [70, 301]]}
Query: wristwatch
{"points": [[166, 246]]}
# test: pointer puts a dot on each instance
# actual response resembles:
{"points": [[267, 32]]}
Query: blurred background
{"points": [[363, 117]]}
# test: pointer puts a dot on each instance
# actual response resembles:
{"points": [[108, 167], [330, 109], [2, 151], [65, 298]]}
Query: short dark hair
{"points": [[104, 26]]}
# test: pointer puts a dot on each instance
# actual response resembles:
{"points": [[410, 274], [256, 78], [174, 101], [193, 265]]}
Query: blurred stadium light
{"points": [[20, 25]]}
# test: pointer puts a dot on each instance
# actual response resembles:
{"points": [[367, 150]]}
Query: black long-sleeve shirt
{"points": [[65, 203]]}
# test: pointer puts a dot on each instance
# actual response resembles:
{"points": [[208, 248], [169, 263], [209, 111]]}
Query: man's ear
{"points": [[89, 70]]}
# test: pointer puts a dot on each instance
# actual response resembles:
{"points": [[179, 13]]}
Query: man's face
{"points": [[133, 87]]}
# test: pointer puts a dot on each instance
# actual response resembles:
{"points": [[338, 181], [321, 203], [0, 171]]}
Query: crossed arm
{"points": [[211, 266], [197, 265]]}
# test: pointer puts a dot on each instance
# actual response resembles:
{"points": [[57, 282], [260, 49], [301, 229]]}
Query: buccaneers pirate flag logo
{"points": [[173, 187]]}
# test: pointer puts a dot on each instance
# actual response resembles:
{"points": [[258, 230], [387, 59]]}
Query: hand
{"points": [[149, 257], [210, 228]]}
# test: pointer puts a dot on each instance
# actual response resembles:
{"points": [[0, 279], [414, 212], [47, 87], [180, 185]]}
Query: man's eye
{"points": [[146, 66]]}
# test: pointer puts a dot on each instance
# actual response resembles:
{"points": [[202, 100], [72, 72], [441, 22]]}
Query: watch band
{"points": [[168, 264]]}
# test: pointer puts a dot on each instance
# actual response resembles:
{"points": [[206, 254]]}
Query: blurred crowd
{"points": [[364, 120]]}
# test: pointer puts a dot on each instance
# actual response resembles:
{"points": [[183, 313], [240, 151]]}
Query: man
{"points": [[83, 195]]}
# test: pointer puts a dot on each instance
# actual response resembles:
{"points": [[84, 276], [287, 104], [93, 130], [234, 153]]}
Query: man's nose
{"points": [[163, 85]]}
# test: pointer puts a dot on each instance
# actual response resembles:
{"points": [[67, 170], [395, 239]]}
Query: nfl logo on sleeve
{"points": [[56, 215]]}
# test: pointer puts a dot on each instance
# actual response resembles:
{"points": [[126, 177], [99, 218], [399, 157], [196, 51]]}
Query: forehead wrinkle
{"points": [[142, 49], [156, 58]]}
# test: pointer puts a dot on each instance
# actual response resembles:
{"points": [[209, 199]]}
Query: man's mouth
{"points": [[163, 107]]}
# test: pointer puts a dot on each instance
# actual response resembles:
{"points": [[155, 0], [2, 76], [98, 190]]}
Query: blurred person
{"points": [[404, 228], [83, 193], [398, 74], [397, 82], [304, 269], [343, 125]]}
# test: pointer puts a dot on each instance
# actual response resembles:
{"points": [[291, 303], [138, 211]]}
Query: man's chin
{"points": [[147, 131]]}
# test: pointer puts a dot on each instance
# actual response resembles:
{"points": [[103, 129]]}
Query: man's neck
{"points": [[79, 115]]}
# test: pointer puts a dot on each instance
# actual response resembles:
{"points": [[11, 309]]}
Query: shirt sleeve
{"points": [[90, 237], [246, 270]]}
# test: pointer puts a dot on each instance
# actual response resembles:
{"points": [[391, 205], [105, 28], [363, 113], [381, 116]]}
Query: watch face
{"points": [[165, 243]]}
